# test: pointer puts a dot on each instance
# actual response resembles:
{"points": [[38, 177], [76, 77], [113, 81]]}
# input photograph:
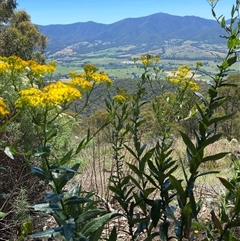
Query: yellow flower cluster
{"points": [[119, 98], [101, 78], [59, 93], [17, 64], [14, 63], [147, 59], [54, 94], [81, 82], [182, 77], [4, 67], [3, 108], [41, 69], [90, 76]]}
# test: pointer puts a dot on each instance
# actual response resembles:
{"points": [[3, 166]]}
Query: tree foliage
{"points": [[6, 10], [20, 37]]}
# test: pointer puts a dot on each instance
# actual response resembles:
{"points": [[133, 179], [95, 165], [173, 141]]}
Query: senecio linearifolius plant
{"points": [[76, 214], [147, 193]]}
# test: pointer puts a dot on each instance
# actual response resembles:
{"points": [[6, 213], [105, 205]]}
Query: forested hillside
{"points": [[151, 30]]}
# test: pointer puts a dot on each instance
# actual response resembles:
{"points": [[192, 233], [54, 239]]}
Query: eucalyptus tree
{"points": [[20, 37]]}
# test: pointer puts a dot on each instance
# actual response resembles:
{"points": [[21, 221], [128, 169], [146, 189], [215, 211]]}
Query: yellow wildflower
{"points": [[149, 59], [41, 69], [60, 93], [3, 66], [14, 63], [53, 94], [3, 108], [100, 78], [32, 97], [81, 82], [193, 85], [183, 77], [119, 98], [85, 81], [146, 61]]}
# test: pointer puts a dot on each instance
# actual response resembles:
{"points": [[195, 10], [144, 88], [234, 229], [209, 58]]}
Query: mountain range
{"points": [[152, 30]]}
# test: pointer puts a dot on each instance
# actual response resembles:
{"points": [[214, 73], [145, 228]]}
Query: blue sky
{"points": [[45, 12]]}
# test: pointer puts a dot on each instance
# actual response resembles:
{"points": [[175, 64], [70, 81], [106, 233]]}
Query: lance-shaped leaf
{"points": [[49, 233], [96, 223], [76, 200], [188, 143], [40, 173], [177, 185], [155, 212], [215, 157], [113, 235], [89, 215]]}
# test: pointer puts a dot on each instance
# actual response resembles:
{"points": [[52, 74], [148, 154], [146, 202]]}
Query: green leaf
{"points": [[81, 146], [223, 22], [135, 181], [89, 215], [68, 228], [49, 233], [135, 170], [131, 151], [40, 173], [230, 187], [214, 157], [212, 92], [213, 13], [43, 207], [232, 60], [8, 152], [76, 200], [199, 225], [187, 210], [218, 101], [152, 167], [207, 173], [113, 235], [64, 174], [143, 224], [95, 236], [221, 118], [188, 143], [237, 202], [115, 190], [216, 221], [53, 197], [164, 230], [51, 133], [145, 158], [95, 224], [155, 212], [177, 185], [210, 140], [204, 100], [66, 158]]}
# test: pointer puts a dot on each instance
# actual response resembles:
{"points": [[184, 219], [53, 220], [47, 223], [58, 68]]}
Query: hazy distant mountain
{"points": [[150, 30]]}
